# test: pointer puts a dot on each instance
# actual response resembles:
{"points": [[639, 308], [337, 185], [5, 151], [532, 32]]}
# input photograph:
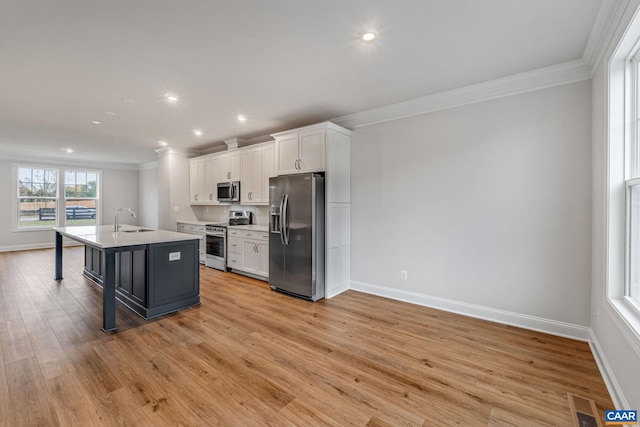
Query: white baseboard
{"points": [[619, 400], [553, 327], [330, 293], [34, 246]]}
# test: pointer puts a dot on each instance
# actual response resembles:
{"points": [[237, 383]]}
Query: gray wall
{"points": [[119, 188], [487, 204]]}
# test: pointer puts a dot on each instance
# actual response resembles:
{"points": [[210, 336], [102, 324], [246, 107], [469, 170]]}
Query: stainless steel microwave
{"points": [[229, 191]]}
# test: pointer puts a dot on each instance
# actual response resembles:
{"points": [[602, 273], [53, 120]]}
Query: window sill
{"points": [[27, 229]]}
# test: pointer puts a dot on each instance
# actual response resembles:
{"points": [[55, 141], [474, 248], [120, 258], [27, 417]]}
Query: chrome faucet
{"points": [[116, 227]]}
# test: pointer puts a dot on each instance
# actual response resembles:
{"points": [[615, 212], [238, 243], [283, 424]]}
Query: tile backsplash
{"points": [[221, 213]]}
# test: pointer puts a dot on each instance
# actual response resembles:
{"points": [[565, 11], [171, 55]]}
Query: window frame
{"points": [[60, 199], [624, 170]]}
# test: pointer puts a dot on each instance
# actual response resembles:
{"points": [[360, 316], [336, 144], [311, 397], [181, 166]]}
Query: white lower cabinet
{"points": [[248, 252], [199, 230]]}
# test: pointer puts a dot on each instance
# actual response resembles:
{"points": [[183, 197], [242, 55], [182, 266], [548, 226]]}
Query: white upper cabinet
{"points": [[251, 179], [196, 181], [257, 165], [252, 166], [210, 181], [301, 151], [228, 166], [202, 180]]}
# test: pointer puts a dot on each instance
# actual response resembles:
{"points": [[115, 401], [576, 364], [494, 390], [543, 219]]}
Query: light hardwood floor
{"points": [[251, 356]]}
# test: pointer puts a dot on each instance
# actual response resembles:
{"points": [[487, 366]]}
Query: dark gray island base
{"points": [[153, 272], [147, 280]]}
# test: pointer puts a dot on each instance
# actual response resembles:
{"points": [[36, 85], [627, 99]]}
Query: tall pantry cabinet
{"points": [[325, 147]]}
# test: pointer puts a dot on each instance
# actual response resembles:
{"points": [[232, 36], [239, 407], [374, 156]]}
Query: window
{"points": [[631, 292], [50, 196], [80, 195], [37, 197]]}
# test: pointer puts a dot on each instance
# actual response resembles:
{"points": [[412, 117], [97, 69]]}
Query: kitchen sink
{"points": [[140, 230]]}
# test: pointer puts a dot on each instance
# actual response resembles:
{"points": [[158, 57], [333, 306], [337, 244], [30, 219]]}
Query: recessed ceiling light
{"points": [[66, 149], [96, 122], [163, 143], [171, 98], [110, 113], [197, 132], [128, 100], [368, 36], [242, 118]]}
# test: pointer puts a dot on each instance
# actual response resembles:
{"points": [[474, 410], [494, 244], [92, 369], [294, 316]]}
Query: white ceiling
{"points": [[282, 63]]}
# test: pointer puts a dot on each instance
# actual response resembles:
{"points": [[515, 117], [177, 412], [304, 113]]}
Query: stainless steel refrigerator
{"points": [[296, 238]]}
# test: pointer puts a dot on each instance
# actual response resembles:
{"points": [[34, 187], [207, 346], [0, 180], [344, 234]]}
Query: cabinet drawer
{"points": [[233, 233], [234, 260], [186, 228], [255, 235], [234, 245]]}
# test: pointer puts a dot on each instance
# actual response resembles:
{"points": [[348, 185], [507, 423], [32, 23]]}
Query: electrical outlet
{"points": [[403, 274]]}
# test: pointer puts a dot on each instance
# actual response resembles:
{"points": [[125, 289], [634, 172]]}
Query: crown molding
{"points": [[603, 32], [165, 151], [148, 166], [556, 75], [65, 162]]}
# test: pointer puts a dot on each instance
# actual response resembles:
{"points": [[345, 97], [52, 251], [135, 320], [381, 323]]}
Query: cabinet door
{"points": [[210, 186], [262, 250], [250, 182], [287, 154], [311, 151], [250, 261], [196, 181], [223, 169], [234, 166]]}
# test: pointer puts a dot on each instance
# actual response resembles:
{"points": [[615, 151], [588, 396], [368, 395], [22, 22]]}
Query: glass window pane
{"points": [[634, 243], [80, 212], [36, 212]]}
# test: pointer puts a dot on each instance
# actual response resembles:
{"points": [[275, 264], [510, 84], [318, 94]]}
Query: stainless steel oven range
{"points": [[216, 237]]}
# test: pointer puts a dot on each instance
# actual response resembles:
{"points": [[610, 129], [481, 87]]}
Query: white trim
{"points": [[618, 397], [33, 246], [148, 166], [336, 292], [556, 75], [74, 163], [185, 152], [602, 32], [549, 326]]}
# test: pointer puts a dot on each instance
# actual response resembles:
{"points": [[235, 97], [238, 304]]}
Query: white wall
{"points": [[148, 190], [487, 206], [119, 188], [173, 188]]}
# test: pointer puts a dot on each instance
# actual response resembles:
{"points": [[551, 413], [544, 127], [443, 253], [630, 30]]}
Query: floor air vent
{"points": [[583, 411]]}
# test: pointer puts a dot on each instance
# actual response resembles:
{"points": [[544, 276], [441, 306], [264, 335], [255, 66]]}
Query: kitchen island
{"points": [[152, 272]]}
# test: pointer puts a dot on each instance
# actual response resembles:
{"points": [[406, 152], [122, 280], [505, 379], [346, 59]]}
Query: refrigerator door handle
{"points": [[285, 218], [282, 220]]}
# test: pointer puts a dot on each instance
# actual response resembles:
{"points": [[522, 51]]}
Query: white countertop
{"points": [[251, 227], [196, 222], [103, 236]]}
